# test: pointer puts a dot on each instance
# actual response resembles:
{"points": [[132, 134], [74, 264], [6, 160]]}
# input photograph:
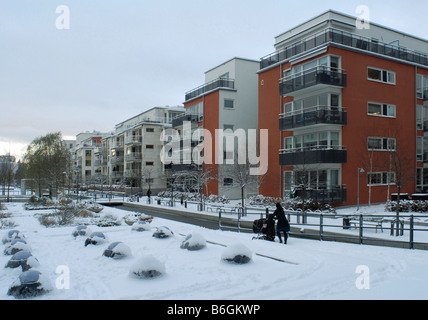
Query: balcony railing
{"points": [[117, 174], [131, 173], [178, 121], [210, 86], [133, 140], [312, 77], [313, 155], [331, 35], [313, 116], [338, 194], [134, 157], [116, 160]]}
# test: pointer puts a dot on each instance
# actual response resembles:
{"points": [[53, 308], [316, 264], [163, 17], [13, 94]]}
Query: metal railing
{"points": [[332, 35], [215, 84]]}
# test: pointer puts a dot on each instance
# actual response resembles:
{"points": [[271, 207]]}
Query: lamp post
{"points": [[360, 170]]}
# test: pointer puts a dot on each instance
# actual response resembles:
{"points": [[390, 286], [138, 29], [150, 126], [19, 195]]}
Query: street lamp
{"points": [[360, 170]]}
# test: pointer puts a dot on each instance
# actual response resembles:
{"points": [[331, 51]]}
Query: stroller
{"points": [[265, 229]]}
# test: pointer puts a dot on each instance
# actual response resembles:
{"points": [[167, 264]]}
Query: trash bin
{"points": [[346, 223]]}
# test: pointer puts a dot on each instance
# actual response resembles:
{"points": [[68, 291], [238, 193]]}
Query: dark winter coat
{"points": [[270, 226], [279, 215]]}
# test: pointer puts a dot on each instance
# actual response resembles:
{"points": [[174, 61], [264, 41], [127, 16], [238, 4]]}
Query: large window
{"points": [[313, 141], [381, 178], [381, 110], [381, 144], [380, 75], [326, 62]]}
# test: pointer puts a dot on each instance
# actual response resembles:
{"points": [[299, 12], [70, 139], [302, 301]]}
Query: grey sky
{"points": [[120, 58]]}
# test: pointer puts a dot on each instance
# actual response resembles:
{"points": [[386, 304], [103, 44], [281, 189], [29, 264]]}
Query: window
{"points": [[228, 127], [150, 163], [228, 181], [380, 144], [381, 75], [228, 103], [382, 110], [150, 130], [380, 178], [150, 146]]}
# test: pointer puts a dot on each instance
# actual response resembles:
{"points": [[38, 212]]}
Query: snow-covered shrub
{"points": [[117, 250], [81, 231], [96, 238], [140, 226], [108, 220], [163, 232], [133, 217], [237, 253], [30, 284], [193, 242], [12, 235], [147, 267], [419, 206], [15, 246], [23, 259]]}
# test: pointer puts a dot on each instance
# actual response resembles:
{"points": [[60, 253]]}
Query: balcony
{"points": [[117, 174], [313, 155], [132, 173], [334, 195], [116, 160], [210, 86], [117, 145], [133, 140], [182, 167], [315, 78], [179, 120], [335, 36], [425, 95], [313, 116], [134, 157]]}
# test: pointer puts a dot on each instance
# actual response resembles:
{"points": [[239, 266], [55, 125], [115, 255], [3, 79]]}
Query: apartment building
{"points": [[340, 102], [228, 101], [131, 153], [86, 167]]}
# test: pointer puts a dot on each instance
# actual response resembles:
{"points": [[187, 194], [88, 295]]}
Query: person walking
{"points": [[282, 225]]}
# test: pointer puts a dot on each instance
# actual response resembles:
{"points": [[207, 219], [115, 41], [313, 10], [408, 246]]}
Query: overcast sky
{"points": [[122, 57]]}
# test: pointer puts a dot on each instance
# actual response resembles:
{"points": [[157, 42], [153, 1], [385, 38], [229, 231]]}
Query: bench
{"points": [[372, 222]]}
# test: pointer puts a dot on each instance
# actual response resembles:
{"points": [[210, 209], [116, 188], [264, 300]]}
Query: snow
{"points": [[303, 269], [237, 252]]}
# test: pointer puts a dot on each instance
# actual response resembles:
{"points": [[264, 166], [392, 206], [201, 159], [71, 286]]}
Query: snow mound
{"points": [[147, 267], [96, 238], [81, 231], [140, 226], [237, 253], [15, 246], [30, 284], [163, 232], [23, 259], [117, 250], [12, 235], [194, 242]]}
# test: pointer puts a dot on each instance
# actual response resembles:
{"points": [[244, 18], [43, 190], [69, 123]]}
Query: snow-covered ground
{"points": [[312, 269]]}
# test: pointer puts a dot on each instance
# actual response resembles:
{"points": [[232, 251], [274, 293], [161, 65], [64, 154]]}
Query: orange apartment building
{"points": [[339, 102]]}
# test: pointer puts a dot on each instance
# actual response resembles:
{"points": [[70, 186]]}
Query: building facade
{"points": [[342, 106], [227, 101]]}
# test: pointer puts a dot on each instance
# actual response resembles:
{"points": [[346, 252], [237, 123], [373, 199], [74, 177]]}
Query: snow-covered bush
{"points": [[30, 284], [96, 238], [147, 267], [140, 226], [15, 246], [108, 220], [117, 250], [193, 242], [23, 259], [419, 206], [12, 235], [81, 231], [237, 253], [163, 232], [133, 217]]}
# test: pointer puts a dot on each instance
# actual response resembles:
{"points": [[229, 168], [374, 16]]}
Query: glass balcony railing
{"points": [[216, 84], [313, 155], [312, 77], [338, 194], [313, 116], [332, 35]]}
